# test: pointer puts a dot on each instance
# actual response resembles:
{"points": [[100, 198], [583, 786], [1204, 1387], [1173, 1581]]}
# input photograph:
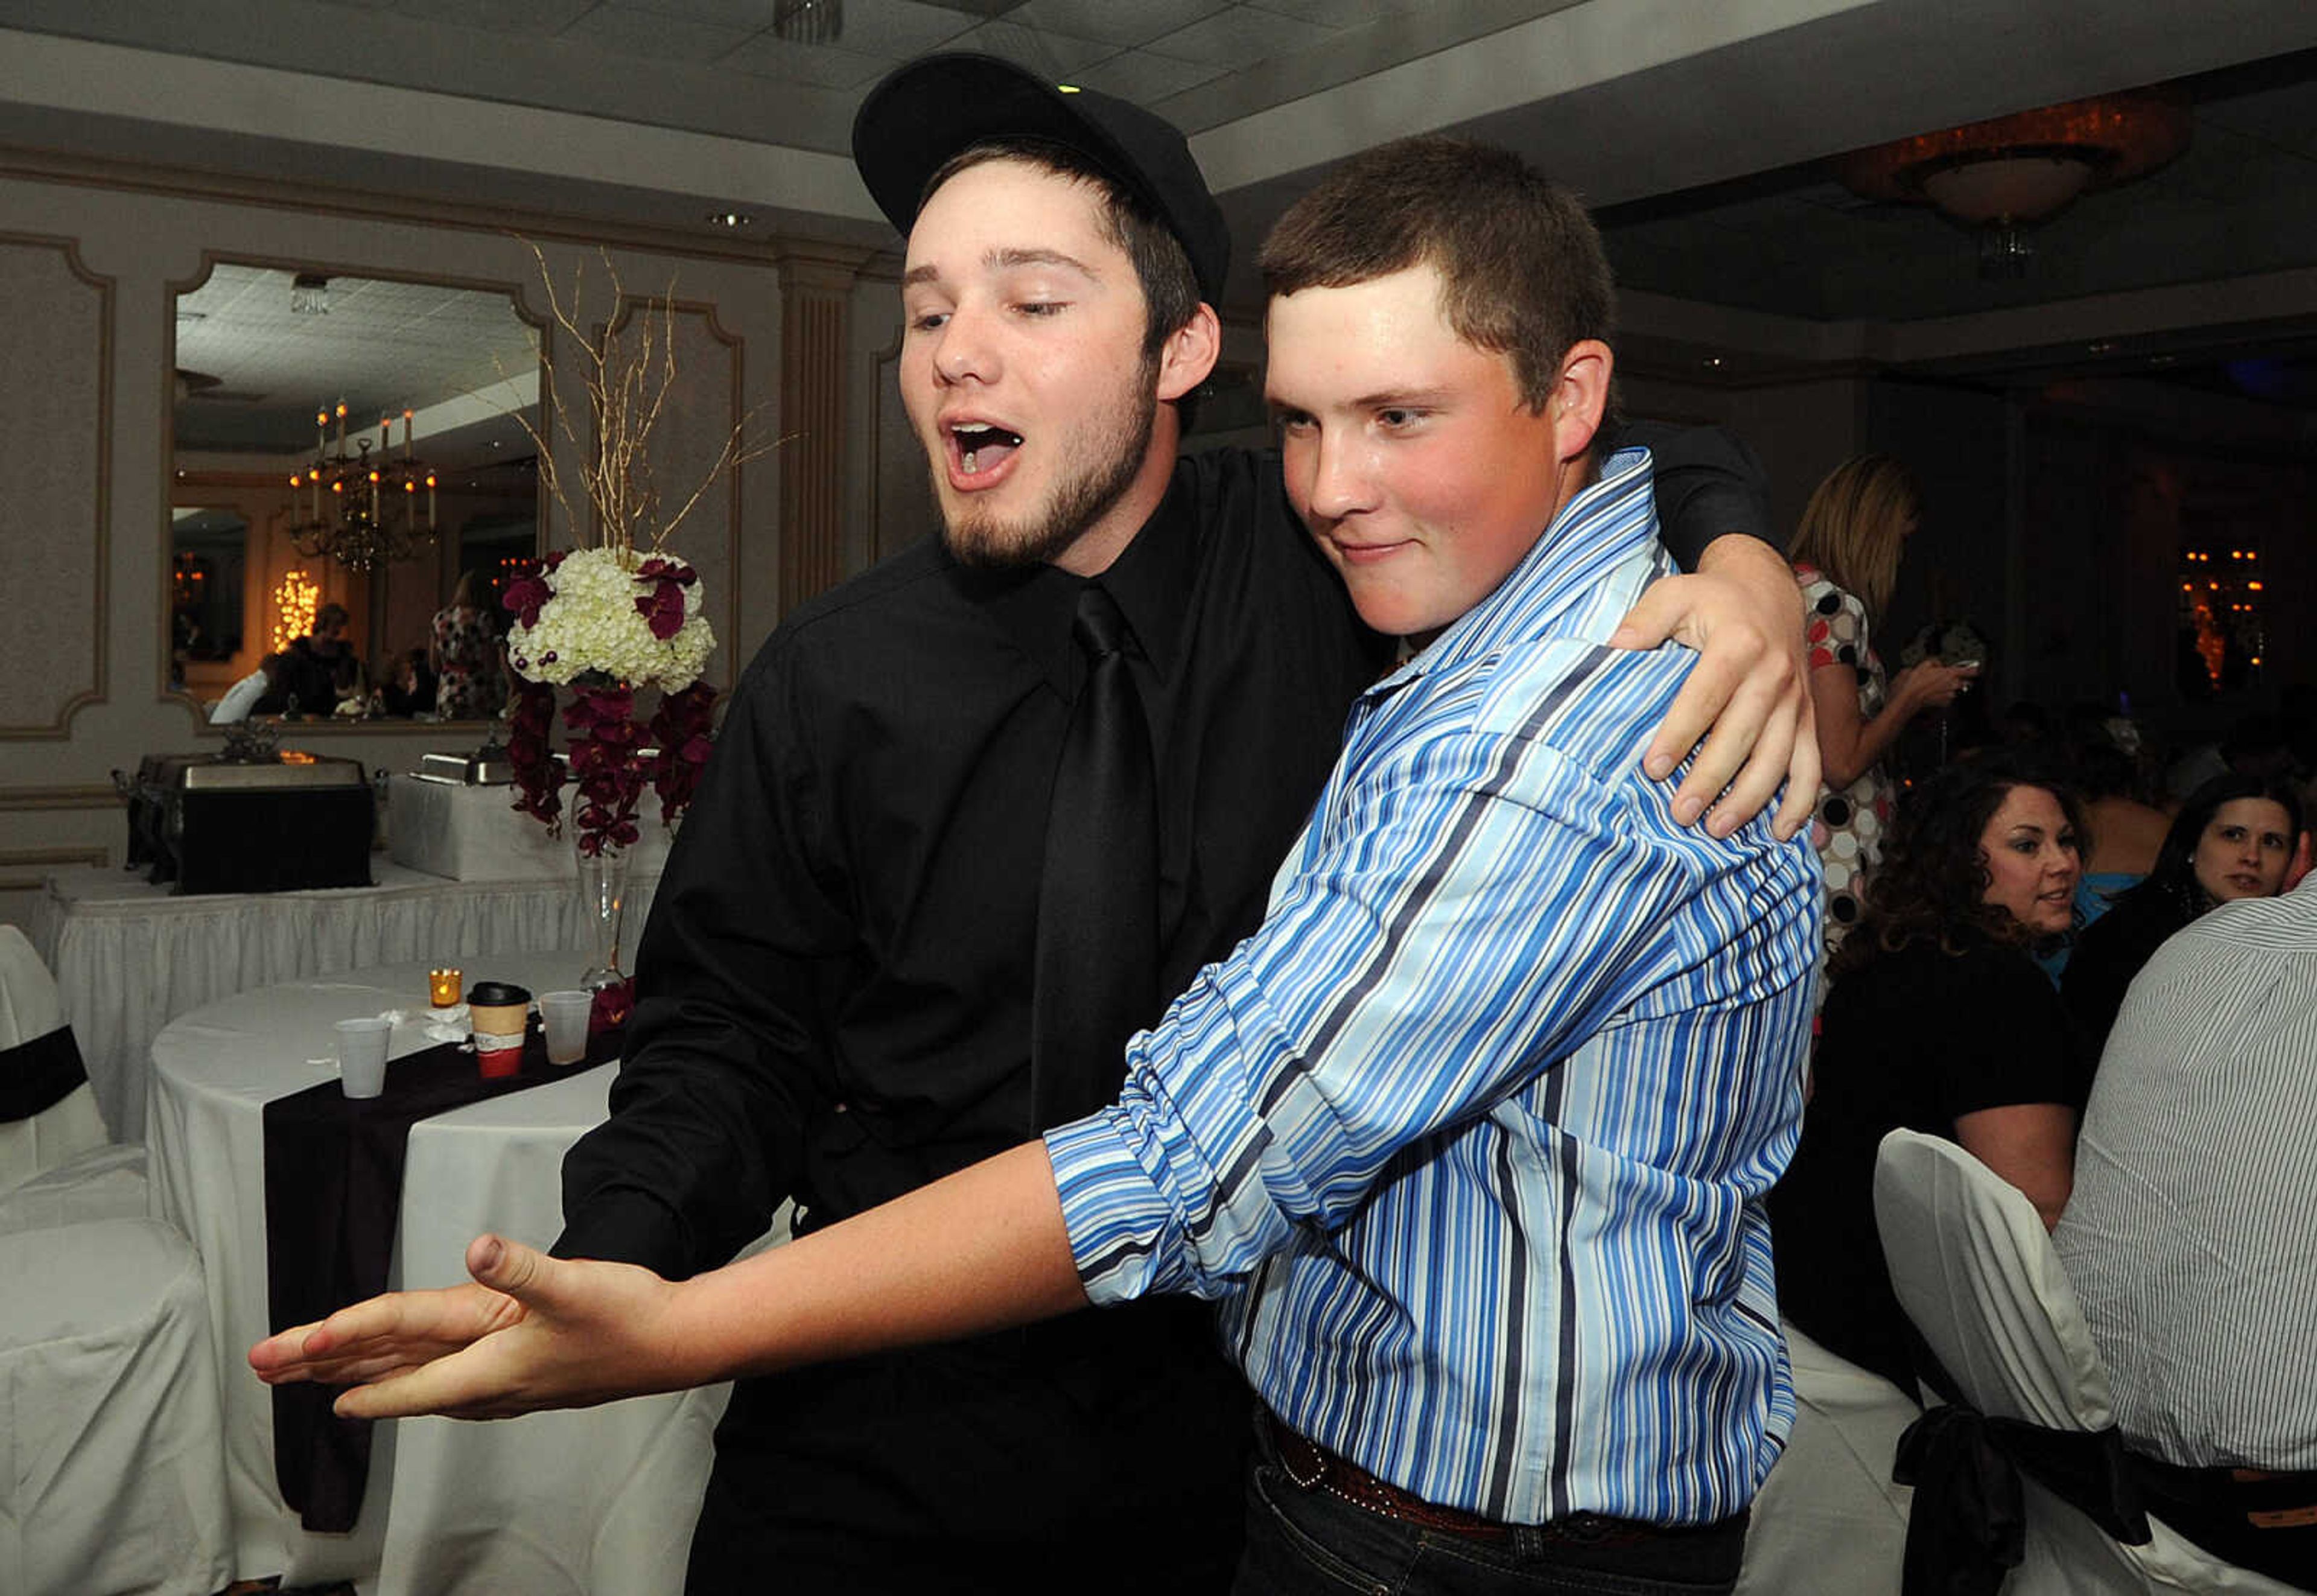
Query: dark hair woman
{"points": [[2233, 838], [1936, 1019]]}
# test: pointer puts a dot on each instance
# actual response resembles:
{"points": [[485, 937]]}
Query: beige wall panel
{"points": [[698, 421], [57, 345], [99, 538], [900, 508]]}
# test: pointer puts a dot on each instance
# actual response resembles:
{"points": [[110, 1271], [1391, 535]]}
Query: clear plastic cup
{"points": [[565, 1016], [362, 1055]]}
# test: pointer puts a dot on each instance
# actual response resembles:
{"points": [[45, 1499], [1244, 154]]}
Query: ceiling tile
{"points": [[1142, 78], [899, 28], [538, 17], [1242, 36], [821, 65], [748, 15], [1337, 14], [383, 345], [1049, 54], [1111, 22], [625, 31]]}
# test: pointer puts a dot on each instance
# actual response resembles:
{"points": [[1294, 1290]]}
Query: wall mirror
{"points": [[356, 442]]}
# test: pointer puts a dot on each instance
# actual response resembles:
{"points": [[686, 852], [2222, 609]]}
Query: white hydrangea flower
{"points": [[591, 623]]}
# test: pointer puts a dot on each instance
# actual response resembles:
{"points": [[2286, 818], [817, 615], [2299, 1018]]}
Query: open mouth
{"points": [[983, 448]]}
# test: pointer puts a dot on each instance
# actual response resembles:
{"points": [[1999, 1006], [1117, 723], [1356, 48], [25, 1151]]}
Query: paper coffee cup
{"points": [[498, 1011]]}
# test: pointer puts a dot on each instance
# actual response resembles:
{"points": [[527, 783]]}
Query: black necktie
{"points": [[1098, 897]]}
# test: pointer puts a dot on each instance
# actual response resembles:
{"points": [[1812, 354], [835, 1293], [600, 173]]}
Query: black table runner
{"points": [[333, 1194]]}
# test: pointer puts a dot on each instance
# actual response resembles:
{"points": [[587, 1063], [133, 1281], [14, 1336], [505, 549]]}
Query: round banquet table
{"points": [[600, 1500]]}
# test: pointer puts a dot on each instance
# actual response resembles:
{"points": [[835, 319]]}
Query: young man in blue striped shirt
{"points": [[1468, 1142]]}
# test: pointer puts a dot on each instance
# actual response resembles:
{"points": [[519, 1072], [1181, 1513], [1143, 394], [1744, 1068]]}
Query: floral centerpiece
{"points": [[618, 615], [603, 624]]}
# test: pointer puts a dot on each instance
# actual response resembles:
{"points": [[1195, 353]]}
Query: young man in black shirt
{"points": [[839, 984]]}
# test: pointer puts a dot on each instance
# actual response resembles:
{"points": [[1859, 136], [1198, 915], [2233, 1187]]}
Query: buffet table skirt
{"points": [[599, 1501], [128, 957]]}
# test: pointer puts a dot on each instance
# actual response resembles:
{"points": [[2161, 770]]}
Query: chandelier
{"points": [[361, 508], [1999, 178]]}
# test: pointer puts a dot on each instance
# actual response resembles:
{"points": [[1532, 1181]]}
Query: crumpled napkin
{"points": [[437, 1025]]}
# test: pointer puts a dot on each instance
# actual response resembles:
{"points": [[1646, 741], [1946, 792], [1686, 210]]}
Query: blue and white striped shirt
{"points": [[1469, 1141]]}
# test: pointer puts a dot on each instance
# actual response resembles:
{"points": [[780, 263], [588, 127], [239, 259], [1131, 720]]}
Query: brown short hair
{"points": [[1170, 289], [1522, 266]]}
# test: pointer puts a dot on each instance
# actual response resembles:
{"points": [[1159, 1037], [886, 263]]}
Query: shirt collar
{"points": [[1558, 586]]}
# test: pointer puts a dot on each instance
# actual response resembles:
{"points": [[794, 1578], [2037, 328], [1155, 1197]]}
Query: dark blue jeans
{"points": [[1312, 1543]]}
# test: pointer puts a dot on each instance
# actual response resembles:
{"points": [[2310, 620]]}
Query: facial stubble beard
{"points": [[977, 538]]}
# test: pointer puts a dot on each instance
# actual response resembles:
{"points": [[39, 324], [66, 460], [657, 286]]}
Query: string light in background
{"points": [[297, 597]]}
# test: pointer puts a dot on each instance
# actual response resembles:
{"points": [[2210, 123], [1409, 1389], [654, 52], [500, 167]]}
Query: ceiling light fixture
{"points": [[730, 220], [2000, 177], [361, 509], [808, 22], [310, 294]]}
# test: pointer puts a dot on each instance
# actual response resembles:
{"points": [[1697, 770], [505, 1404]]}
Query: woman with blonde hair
{"points": [[1846, 557]]}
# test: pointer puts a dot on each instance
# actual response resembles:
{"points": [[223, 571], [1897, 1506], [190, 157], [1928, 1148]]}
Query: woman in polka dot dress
{"points": [[1846, 557]]}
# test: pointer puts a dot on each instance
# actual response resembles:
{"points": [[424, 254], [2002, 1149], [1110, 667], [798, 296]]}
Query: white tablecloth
{"points": [[599, 1501], [128, 956]]}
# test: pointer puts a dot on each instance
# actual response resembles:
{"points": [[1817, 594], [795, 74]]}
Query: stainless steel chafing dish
{"points": [[214, 824], [488, 766], [296, 771]]}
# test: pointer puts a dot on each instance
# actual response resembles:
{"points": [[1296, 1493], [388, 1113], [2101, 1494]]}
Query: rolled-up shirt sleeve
{"points": [[1468, 914]]}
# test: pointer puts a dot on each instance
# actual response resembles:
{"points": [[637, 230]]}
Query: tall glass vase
{"points": [[603, 901]]}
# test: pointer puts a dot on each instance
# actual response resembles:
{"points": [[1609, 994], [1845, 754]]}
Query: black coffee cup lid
{"points": [[497, 994]]}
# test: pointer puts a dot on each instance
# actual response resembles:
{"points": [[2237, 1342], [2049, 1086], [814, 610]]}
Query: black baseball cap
{"points": [[929, 109]]}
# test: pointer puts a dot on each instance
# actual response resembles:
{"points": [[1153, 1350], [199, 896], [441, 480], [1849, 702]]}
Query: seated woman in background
{"points": [[409, 689], [1936, 1019], [2123, 831], [2126, 831], [1846, 555], [257, 693], [2233, 838]]}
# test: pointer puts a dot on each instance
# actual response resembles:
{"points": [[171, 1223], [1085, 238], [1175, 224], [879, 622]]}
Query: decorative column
{"points": [[815, 289]]}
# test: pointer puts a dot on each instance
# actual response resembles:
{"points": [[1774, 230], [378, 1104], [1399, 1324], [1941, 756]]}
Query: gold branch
{"points": [[627, 399]]}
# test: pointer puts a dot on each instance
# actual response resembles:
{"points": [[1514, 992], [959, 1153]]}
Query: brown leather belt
{"points": [[1311, 1466]]}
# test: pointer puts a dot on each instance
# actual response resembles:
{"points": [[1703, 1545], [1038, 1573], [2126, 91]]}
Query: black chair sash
{"points": [[35, 1076], [1967, 1529]]}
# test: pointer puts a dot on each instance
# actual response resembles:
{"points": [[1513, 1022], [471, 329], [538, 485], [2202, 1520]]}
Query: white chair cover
{"points": [[106, 1182], [1829, 1521], [112, 1463], [1974, 1270], [54, 1140]]}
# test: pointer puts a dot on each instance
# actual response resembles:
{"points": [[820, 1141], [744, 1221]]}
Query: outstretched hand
{"points": [[1748, 695], [532, 1333]]}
